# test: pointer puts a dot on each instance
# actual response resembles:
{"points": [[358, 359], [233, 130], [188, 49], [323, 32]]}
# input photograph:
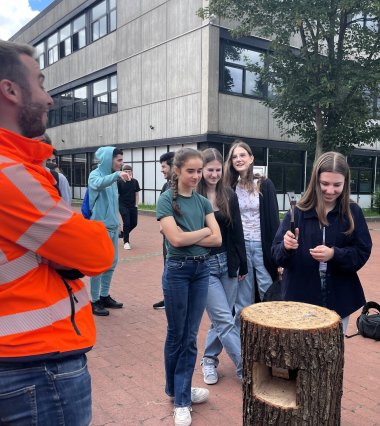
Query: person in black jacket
{"points": [[128, 204], [260, 218], [331, 242], [228, 264]]}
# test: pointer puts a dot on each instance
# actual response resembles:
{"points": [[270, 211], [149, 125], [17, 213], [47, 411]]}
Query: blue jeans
{"points": [[100, 285], [222, 291], [51, 393], [256, 268], [185, 286]]}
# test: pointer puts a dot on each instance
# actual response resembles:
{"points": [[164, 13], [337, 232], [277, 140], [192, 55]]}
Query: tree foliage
{"points": [[323, 65]]}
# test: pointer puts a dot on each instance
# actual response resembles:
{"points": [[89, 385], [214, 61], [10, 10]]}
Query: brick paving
{"points": [[126, 363]]}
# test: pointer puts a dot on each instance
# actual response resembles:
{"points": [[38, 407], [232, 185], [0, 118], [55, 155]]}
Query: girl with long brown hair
{"points": [[260, 218], [228, 263], [331, 242]]}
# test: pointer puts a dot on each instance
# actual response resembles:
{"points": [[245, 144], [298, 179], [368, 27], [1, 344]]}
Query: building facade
{"points": [[150, 76]]}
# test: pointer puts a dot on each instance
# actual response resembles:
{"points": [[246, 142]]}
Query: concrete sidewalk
{"points": [[127, 364]]}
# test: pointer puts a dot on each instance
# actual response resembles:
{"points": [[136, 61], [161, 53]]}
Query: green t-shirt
{"points": [[194, 211]]}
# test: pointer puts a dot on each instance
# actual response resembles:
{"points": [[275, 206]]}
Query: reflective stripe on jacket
{"points": [[40, 315]]}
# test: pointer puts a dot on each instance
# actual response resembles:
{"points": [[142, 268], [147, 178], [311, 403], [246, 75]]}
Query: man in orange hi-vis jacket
{"points": [[46, 324]]}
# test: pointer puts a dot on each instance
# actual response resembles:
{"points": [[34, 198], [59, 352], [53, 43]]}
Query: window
{"points": [[65, 41], [99, 20], [52, 45], [40, 52], [286, 170], [237, 77], [80, 103], [94, 23], [79, 32], [105, 96], [361, 168]]}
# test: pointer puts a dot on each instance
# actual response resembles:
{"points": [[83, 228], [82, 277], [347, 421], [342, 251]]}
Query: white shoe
{"points": [[127, 246], [210, 376], [199, 395], [182, 416]]}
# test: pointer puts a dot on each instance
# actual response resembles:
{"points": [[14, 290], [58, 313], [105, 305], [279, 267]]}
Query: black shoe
{"points": [[99, 309], [159, 305], [108, 302]]}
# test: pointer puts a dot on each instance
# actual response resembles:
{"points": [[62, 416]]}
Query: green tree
{"points": [[325, 85]]}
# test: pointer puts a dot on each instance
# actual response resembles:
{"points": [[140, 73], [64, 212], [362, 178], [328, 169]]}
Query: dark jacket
{"points": [[234, 243], [269, 223], [301, 281]]}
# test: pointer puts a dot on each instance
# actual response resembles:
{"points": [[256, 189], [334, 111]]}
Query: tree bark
{"points": [[292, 365]]}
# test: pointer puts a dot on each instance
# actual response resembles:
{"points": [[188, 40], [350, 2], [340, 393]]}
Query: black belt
{"points": [[200, 258]]}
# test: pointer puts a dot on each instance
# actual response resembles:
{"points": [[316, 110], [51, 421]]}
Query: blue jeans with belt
{"points": [[185, 286], [223, 333], [50, 393], [256, 268]]}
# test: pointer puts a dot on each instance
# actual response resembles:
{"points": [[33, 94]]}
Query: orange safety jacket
{"points": [[41, 316]]}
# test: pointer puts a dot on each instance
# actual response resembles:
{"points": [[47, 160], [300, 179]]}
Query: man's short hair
{"points": [[117, 152], [11, 68], [167, 157], [127, 167]]}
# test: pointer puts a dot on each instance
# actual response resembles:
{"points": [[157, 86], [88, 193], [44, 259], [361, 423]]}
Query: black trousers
{"points": [[129, 216]]}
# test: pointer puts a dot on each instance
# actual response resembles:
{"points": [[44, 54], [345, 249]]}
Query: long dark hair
{"points": [[231, 176], [332, 162], [222, 197], [180, 158]]}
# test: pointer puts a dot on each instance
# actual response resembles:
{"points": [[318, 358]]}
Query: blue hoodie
{"points": [[103, 191]]}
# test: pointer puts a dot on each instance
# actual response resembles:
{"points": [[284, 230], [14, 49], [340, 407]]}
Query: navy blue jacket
{"points": [[301, 281]]}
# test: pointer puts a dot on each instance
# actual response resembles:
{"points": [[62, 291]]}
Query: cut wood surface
{"points": [[292, 364]]}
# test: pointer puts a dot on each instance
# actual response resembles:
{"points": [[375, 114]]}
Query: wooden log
{"points": [[292, 365]]}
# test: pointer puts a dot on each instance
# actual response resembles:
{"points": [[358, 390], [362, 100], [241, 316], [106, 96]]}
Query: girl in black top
{"points": [[228, 263]]}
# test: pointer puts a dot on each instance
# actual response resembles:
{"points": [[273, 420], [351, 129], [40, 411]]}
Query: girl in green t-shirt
{"points": [[187, 220]]}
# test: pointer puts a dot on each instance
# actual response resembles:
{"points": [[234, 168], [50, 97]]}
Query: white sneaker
{"points": [[210, 375], [199, 395], [182, 416], [127, 246]]}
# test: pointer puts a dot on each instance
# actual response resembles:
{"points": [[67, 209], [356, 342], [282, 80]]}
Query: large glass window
{"points": [[361, 168], [237, 77], [285, 169], [65, 41], [52, 45], [105, 96], [40, 52], [91, 100], [99, 20], [79, 32]]}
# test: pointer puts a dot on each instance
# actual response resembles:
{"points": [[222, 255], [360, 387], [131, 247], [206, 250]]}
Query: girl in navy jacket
{"points": [[331, 242]]}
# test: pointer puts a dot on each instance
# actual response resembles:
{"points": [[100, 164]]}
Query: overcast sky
{"points": [[14, 14]]}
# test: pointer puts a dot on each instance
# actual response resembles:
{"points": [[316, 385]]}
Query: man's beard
{"points": [[30, 119]]}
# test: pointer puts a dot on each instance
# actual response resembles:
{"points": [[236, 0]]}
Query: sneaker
{"points": [[159, 305], [99, 309], [199, 395], [127, 246], [182, 416], [108, 302], [210, 375]]}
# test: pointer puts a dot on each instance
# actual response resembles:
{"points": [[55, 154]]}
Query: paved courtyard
{"points": [[127, 361]]}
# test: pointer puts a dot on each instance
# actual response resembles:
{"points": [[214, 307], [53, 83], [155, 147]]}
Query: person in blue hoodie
{"points": [[103, 196]]}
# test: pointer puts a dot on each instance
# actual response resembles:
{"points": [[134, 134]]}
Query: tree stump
{"points": [[292, 365]]}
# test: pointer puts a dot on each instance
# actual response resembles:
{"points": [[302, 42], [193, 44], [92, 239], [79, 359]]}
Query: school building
{"points": [[149, 76]]}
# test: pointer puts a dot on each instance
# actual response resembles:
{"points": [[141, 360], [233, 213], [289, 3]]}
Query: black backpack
{"points": [[369, 324]]}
